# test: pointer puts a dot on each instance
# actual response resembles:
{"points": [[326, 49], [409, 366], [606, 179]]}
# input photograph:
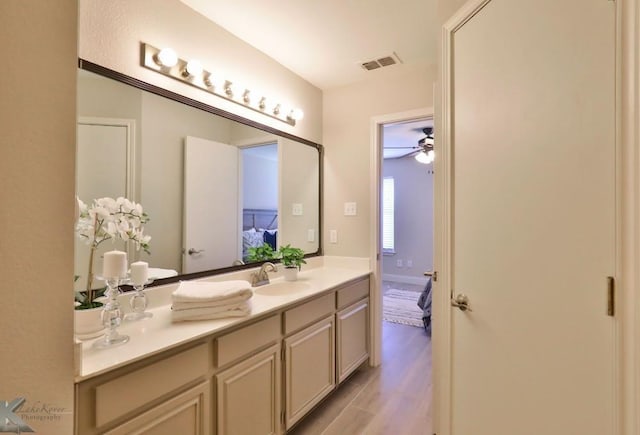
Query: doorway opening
{"points": [[405, 240], [406, 210]]}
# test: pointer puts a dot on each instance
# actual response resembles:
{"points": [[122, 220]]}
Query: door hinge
{"points": [[611, 296]]}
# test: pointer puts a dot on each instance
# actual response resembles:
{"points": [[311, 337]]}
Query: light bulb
{"points": [[423, 158], [208, 81], [166, 58], [246, 96], [432, 155], [193, 68], [296, 114]]}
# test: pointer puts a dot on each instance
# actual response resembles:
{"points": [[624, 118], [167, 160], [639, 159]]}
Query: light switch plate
{"points": [[350, 209], [296, 209], [333, 236], [311, 235]]}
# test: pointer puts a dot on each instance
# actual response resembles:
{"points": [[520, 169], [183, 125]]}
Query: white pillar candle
{"points": [[139, 272], [114, 264]]}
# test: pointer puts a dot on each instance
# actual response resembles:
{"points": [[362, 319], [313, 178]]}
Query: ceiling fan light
{"points": [[423, 158]]}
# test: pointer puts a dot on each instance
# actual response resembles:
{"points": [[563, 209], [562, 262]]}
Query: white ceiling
{"points": [[325, 41]]}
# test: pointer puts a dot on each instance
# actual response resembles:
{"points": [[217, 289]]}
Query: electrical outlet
{"points": [[296, 209], [398, 263], [409, 263], [311, 235], [350, 209], [333, 236]]}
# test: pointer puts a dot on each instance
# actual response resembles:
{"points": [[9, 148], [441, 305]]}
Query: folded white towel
{"points": [[224, 292], [220, 303], [239, 310]]}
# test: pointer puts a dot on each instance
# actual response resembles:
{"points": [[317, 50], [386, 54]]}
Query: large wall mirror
{"points": [[212, 183]]}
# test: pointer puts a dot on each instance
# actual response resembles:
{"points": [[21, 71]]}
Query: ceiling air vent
{"points": [[370, 65], [381, 61]]}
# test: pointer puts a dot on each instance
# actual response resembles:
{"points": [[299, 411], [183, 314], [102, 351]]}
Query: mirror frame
{"points": [[144, 86]]}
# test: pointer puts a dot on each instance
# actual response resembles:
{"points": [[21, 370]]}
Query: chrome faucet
{"points": [[261, 277]]}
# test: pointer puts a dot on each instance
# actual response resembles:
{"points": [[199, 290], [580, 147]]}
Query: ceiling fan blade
{"points": [[402, 148]]}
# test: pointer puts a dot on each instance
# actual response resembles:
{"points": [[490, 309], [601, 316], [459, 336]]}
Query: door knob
{"points": [[192, 251], [461, 301]]}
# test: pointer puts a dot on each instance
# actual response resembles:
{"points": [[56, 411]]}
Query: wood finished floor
{"points": [[394, 398]]}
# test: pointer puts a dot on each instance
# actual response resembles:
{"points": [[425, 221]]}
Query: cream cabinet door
{"points": [[309, 368], [352, 342], [185, 414], [248, 396]]}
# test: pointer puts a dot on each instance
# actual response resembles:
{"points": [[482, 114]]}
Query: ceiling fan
{"points": [[423, 151]]}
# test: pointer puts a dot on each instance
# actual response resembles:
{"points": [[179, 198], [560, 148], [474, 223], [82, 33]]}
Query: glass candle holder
{"points": [[111, 317]]}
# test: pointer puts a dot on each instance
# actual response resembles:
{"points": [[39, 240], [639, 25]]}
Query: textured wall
{"points": [[347, 126], [37, 149]]}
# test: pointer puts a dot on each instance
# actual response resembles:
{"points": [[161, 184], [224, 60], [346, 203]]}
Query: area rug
{"points": [[401, 306]]}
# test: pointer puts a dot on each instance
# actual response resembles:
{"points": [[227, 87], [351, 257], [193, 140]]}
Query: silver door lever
{"points": [[192, 251], [461, 301]]}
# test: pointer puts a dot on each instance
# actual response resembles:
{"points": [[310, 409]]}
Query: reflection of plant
{"points": [[291, 257], [108, 218], [261, 253]]}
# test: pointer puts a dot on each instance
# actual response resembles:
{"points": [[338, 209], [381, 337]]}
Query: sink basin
{"points": [[281, 288]]}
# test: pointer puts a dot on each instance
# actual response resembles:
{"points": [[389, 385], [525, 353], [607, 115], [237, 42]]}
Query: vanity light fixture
{"points": [[208, 81], [166, 58], [246, 96], [229, 89], [193, 69], [167, 62], [296, 114]]}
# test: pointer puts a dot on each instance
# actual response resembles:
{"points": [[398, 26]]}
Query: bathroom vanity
{"points": [[254, 375]]}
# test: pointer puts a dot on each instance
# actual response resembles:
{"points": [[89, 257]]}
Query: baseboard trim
{"points": [[405, 279]]}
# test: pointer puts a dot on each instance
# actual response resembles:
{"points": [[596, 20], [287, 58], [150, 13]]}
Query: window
{"points": [[388, 207]]}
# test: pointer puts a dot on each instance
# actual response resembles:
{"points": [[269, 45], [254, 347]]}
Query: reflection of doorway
{"points": [[105, 150], [259, 197]]}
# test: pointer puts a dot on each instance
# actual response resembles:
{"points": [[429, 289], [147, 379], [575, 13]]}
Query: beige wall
{"points": [[348, 113], [111, 33], [37, 149], [298, 185]]}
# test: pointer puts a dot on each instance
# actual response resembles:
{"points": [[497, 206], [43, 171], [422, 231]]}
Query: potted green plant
{"points": [[105, 219], [292, 259]]}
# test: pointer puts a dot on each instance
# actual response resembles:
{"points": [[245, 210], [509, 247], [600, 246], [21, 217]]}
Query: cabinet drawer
{"points": [[248, 339], [353, 292], [124, 394], [185, 414], [308, 313]]}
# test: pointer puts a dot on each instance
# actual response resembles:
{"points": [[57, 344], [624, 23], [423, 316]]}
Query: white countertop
{"points": [[157, 334]]}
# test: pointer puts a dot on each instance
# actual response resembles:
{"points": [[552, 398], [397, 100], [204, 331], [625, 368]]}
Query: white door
{"points": [[210, 238], [529, 147]]}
